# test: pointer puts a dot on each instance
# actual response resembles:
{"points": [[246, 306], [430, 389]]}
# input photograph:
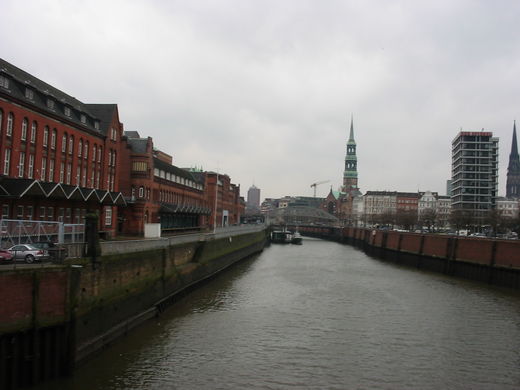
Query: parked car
{"points": [[56, 252], [5, 256], [28, 252]]}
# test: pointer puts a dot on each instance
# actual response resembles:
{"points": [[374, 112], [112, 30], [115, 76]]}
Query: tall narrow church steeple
{"points": [[350, 176], [513, 169]]}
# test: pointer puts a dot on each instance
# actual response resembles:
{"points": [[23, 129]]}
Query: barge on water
{"points": [[286, 237]]}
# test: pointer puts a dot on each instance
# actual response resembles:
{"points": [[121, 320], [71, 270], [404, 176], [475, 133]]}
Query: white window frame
{"points": [[53, 138], [30, 170], [69, 173], [7, 161], [4, 82], [51, 170], [108, 216], [46, 136], [29, 93], [34, 129], [71, 144], [25, 124], [44, 168], [21, 164], [10, 124], [84, 178], [62, 172]]}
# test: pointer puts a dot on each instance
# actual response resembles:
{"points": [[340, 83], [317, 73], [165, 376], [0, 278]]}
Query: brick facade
{"points": [[68, 147]]}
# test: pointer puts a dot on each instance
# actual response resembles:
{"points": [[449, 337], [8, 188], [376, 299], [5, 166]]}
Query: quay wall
{"points": [[489, 260], [53, 317]]}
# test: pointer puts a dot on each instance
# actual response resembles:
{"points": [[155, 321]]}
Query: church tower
{"points": [[513, 170], [350, 176]]}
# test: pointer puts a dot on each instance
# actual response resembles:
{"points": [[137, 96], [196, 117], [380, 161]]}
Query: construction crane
{"points": [[317, 184]]}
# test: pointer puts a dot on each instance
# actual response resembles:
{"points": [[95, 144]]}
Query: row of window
{"points": [[67, 142], [47, 171], [176, 198], [61, 214], [177, 179], [50, 102]]}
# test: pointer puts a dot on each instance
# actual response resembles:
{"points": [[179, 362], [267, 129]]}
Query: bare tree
{"points": [[460, 218], [387, 218], [428, 218], [406, 218], [498, 222]]}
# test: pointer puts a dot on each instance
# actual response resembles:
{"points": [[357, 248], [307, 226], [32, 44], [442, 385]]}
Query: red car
{"points": [[5, 256]]}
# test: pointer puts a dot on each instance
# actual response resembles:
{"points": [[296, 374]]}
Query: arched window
{"points": [[80, 147], [64, 143], [10, 122], [85, 151], [71, 144], [45, 136], [94, 153], [34, 129], [141, 192], [53, 139], [99, 154], [24, 129]]}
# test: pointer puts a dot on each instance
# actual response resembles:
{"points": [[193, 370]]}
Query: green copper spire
{"points": [[351, 137], [350, 175]]}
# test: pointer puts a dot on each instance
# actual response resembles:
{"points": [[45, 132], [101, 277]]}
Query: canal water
{"points": [[320, 316]]}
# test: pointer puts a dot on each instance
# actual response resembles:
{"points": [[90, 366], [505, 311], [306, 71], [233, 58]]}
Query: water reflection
{"points": [[320, 315]]}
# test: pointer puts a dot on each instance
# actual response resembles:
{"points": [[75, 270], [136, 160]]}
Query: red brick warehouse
{"points": [[62, 158], [59, 155]]}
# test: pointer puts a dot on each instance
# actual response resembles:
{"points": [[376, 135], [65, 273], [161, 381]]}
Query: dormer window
{"points": [[50, 103], [4, 82], [29, 93], [66, 111], [96, 125], [83, 118]]}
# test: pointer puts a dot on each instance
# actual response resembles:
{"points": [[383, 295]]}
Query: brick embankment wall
{"points": [[488, 260], [127, 288], [51, 317]]}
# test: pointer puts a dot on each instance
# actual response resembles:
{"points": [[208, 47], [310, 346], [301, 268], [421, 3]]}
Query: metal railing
{"points": [[18, 231]]}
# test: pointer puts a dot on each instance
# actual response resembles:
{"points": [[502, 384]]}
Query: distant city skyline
{"points": [[266, 89]]}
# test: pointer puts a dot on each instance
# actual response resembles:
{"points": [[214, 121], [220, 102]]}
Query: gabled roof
{"points": [[21, 187], [18, 188], [105, 113]]}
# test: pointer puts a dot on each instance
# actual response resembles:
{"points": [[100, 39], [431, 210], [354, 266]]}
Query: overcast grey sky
{"points": [[264, 90]]}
